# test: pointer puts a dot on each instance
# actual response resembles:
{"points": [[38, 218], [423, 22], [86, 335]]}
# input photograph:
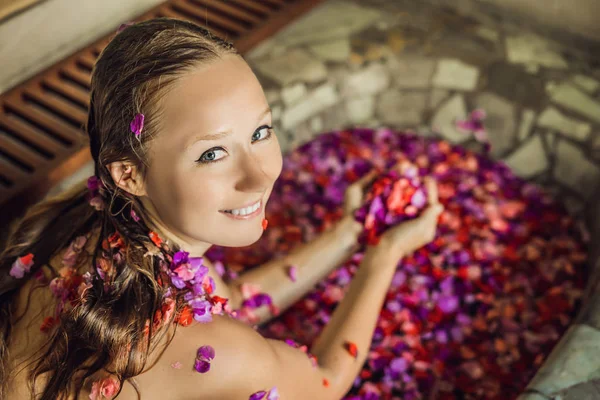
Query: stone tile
{"points": [[574, 170], [501, 78], [582, 391], [316, 124], [573, 360], [532, 396], [292, 93], [574, 99], [294, 65], [402, 109], [276, 112], [454, 74], [301, 134], [586, 83], [551, 139], [553, 119], [487, 33], [334, 117], [530, 48], [360, 109], [285, 141], [336, 50], [272, 95], [499, 123], [529, 159], [312, 104], [527, 119], [411, 72], [367, 81], [269, 47], [467, 47], [436, 96], [445, 118], [333, 19]]}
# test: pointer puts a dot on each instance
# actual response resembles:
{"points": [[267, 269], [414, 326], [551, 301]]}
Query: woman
{"points": [[185, 158]]}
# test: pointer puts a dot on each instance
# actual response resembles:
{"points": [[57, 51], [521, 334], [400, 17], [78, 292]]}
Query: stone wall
{"points": [[576, 17]]}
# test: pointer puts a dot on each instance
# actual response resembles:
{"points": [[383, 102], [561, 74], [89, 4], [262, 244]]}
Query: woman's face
{"points": [[215, 152]]}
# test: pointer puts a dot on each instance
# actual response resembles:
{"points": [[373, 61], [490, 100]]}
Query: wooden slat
{"points": [[167, 12], [35, 136], [276, 22], [74, 115], [20, 151], [66, 89], [58, 128], [11, 172], [204, 14], [228, 9], [78, 76], [276, 3], [88, 59], [253, 5]]}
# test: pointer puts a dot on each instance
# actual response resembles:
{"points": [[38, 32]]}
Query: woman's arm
{"points": [[314, 261]]}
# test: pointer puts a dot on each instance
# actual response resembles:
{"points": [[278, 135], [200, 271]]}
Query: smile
{"points": [[246, 212]]}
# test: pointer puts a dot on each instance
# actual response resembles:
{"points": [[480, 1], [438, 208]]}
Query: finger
{"points": [[432, 190], [433, 211]]}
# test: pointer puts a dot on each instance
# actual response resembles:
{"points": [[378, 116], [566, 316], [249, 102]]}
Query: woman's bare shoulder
{"points": [[244, 363], [176, 364]]}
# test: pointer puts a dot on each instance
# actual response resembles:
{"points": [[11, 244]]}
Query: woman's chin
{"points": [[239, 240]]}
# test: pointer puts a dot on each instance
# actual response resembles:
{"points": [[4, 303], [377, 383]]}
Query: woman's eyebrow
{"points": [[222, 134]]}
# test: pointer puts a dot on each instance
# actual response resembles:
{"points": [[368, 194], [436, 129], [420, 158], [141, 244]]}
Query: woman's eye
{"points": [[210, 156], [265, 128]]}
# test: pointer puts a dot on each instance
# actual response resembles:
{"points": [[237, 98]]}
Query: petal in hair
{"points": [[137, 124]]}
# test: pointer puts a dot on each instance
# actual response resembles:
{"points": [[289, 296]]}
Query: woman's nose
{"points": [[253, 177]]}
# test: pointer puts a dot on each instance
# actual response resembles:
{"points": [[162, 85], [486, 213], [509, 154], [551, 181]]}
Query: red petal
{"points": [[155, 238], [352, 349]]}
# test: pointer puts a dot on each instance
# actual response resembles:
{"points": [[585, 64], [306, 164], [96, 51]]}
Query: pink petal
{"points": [[293, 273]]}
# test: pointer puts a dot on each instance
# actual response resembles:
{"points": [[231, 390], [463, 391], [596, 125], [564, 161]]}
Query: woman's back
{"points": [[35, 302]]}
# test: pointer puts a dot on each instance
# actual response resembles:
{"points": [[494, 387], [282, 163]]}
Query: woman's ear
{"points": [[127, 176]]}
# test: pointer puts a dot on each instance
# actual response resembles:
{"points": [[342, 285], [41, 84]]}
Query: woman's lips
{"points": [[247, 216]]}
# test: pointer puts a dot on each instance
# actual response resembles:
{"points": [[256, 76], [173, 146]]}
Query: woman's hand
{"points": [[355, 193], [411, 235]]}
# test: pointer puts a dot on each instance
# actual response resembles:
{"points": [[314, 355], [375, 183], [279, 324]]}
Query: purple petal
{"points": [[137, 124], [16, 271], [448, 304], [467, 125], [418, 199], [202, 315], [177, 282], [180, 257], [258, 395], [93, 183], [206, 353], [124, 26], [478, 114], [377, 208], [399, 364], [273, 394], [201, 366]]}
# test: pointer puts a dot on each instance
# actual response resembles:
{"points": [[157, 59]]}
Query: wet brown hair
{"points": [[106, 330]]}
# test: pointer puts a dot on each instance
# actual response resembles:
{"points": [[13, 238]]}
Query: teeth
{"points": [[246, 210]]}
